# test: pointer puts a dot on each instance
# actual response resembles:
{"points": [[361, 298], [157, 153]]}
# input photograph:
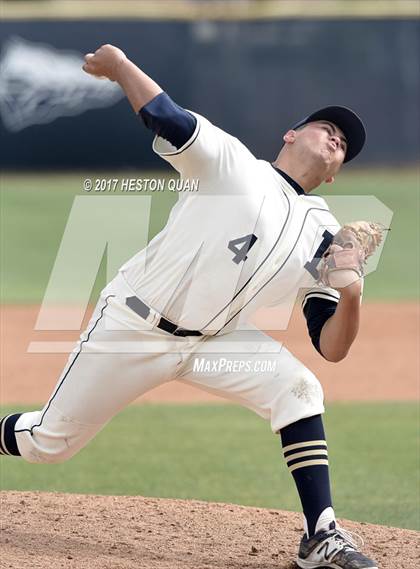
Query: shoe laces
{"points": [[354, 540]]}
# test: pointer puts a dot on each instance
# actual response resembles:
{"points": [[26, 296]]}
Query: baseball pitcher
{"points": [[253, 235]]}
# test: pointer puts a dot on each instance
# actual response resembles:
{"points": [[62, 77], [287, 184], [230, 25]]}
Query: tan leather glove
{"points": [[343, 262]]}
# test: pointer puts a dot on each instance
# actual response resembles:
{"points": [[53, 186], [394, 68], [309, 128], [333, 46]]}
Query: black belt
{"points": [[140, 308]]}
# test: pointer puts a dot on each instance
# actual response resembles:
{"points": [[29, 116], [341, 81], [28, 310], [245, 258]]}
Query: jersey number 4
{"points": [[241, 247]]}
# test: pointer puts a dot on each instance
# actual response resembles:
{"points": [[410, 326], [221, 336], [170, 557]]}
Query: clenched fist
{"points": [[104, 62]]}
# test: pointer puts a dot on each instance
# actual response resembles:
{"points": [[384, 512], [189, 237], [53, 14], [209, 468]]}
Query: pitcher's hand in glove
{"points": [[343, 262]]}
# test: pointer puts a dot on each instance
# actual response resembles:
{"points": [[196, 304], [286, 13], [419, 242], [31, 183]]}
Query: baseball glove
{"points": [[343, 262]]}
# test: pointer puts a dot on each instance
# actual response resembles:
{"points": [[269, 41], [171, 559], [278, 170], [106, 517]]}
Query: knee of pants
{"points": [[301, 397], [306, 387], [44, 454], [53, 439]]}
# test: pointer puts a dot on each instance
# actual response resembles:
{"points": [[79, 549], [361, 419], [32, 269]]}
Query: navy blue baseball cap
{"points": [[347, 120]]}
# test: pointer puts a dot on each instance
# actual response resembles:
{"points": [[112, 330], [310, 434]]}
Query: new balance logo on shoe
{"points": [[335, 548], [325, 550]]}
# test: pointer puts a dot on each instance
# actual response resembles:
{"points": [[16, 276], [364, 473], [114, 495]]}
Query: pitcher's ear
{"points": [[330, 180], [290, 136]]}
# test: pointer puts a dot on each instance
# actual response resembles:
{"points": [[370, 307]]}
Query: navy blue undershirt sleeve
{"points": [[168, 120], [317, 311]]}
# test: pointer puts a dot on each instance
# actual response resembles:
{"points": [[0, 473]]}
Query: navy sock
{"points": [[305, 451], [8, 444]]}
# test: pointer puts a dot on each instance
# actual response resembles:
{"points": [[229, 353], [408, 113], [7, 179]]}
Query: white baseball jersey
{"points": [[241, 241]]}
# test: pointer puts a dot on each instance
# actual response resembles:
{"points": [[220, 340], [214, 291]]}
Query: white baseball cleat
{"points": [[333, 548]]}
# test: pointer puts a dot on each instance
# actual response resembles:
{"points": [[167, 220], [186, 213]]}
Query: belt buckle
{"points": [[179, 332], [153, 317]]}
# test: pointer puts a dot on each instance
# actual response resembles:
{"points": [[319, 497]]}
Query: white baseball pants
{"points": [[120, 356]]}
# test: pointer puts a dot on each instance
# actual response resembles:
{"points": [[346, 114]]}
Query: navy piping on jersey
{"points": [[272, 277], [256, 270], [67, 372]]}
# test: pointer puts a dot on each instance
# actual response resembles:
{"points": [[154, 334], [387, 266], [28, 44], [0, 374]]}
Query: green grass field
{"points": [[35, 208], [227, 454]]}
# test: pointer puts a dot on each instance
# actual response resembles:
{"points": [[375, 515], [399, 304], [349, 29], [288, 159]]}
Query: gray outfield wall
{"points": [[253, 79]]}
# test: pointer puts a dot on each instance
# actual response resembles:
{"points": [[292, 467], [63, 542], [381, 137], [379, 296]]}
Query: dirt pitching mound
{"points": [[52, 531]]}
